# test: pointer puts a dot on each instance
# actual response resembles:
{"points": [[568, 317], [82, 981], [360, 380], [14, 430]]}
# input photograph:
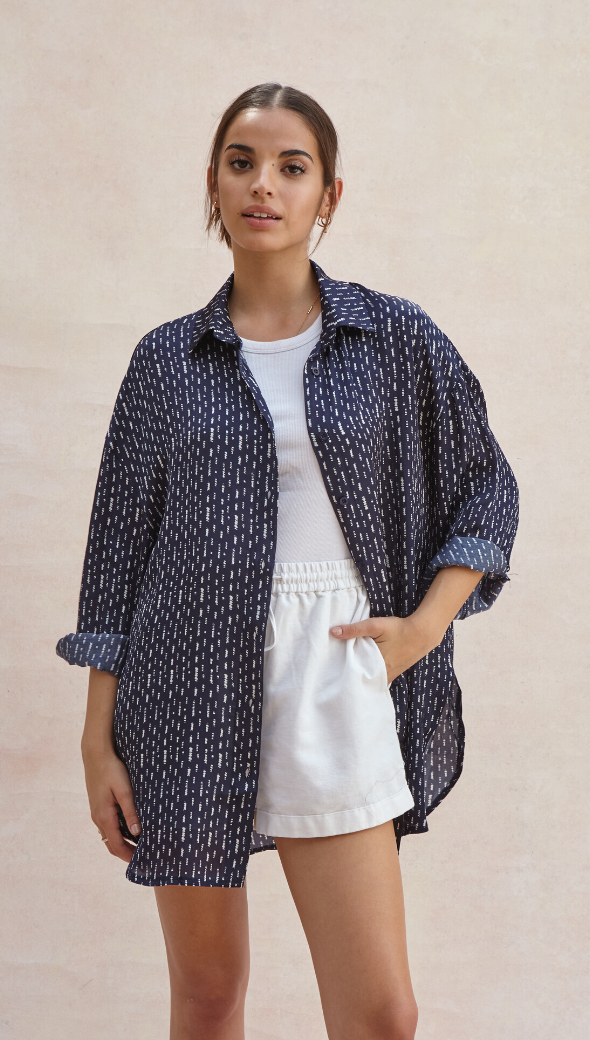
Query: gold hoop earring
{"points": [[324, 222]]}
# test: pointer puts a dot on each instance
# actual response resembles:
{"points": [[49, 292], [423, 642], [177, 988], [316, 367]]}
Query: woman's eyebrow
{"points": [[294, 151], [282, 155]]}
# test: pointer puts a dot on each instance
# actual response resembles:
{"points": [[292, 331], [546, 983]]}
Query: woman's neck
{"points": [[271, 294]]}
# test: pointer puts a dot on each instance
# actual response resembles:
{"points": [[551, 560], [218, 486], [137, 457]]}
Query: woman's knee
{"points": [[209, 998], [392, 1020]]}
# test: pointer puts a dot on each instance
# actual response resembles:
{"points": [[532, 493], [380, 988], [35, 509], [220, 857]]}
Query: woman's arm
{"points": [[129, 502], [471, 487], [107, 779], [403, 641]]}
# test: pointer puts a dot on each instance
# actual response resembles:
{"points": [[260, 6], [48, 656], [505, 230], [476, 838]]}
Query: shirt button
{"points": [[343, 499], [322, 437], [315, 368]]}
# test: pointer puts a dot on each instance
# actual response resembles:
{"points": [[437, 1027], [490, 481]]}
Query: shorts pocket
{"points": [[378, 665], [382, 662]]}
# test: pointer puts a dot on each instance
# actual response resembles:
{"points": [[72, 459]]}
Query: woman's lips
{"points": [[258, 221]]}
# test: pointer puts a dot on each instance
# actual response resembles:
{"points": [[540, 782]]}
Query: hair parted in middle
{"points": [[274, 95]]}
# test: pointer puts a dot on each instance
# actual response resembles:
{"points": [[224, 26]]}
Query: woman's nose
{"points": [[261, 189], [263, 184]]}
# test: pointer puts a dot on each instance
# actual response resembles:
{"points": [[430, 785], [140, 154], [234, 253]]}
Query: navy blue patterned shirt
{"points": [[177, 572]]}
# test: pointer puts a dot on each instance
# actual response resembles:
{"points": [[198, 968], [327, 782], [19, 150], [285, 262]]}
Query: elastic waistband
{"points": [[315, 576]]}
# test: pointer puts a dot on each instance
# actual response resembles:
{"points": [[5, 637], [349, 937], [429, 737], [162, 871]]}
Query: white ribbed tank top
{"points": [[308, 527]]}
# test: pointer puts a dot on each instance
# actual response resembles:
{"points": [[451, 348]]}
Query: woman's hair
{"points": [[273, 95]]}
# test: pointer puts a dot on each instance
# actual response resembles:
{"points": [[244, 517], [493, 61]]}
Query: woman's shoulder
{"points": [[395, 315], [388, 311], [162, 343], [169, 332], [405, 323]]}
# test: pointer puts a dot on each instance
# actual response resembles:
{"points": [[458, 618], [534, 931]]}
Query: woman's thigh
{"points": [[206, 936], [348, 892]]}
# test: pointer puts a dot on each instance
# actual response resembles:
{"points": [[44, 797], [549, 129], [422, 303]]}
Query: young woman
{"points": [[299, 492]]}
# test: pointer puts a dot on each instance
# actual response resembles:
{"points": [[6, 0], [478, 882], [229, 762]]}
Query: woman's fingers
{"points": [[368, 627], [120, 848], [108, 825], [125, 800]]}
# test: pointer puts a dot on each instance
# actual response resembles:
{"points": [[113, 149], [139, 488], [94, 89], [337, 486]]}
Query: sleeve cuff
{"points": [[103, 651], [479, 555]]}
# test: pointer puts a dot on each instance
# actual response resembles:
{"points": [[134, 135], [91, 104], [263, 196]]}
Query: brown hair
{"points": [[273, 95]]}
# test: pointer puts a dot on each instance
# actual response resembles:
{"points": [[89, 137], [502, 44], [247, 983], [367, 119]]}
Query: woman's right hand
{"points": [[108, 785], [107, 779]]}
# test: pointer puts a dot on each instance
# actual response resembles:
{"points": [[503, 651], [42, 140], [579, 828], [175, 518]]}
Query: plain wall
{"points": [[464, 142]]}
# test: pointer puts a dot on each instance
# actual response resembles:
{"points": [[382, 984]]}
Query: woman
{"points": [[276, 672]]}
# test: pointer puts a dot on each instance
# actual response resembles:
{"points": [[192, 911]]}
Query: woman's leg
{"points": [[348, 892], [206, 936]]}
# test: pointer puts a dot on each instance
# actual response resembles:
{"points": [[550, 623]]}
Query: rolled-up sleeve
{"points": [[123, 529], [474, 491]]}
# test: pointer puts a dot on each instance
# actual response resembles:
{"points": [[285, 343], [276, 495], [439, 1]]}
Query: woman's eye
{"points": [[240, 164], [295, 168]]}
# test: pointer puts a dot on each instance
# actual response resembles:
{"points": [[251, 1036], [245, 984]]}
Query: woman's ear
{"points": [[331, 198]]}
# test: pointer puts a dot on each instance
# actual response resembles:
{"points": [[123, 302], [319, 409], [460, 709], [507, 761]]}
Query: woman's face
{"points": [[269, 164]]}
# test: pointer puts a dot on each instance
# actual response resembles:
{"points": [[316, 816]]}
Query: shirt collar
{"points": [[342, 304]]}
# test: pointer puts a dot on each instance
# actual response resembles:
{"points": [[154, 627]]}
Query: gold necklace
{"points": [[307, 315]]}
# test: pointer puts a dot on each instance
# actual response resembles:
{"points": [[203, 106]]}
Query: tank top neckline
{"points": [[312, 334]]}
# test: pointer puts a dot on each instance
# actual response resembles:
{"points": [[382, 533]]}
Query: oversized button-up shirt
{"points": [[177, 572]]}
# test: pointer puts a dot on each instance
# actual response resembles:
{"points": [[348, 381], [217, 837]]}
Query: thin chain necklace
{"points": [[307, 315]]}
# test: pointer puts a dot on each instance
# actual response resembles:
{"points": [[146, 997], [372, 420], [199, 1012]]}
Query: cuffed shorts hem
{"points": [[322, 825]]}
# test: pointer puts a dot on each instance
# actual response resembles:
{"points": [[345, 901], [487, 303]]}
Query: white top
{"points": [[308, 528]]}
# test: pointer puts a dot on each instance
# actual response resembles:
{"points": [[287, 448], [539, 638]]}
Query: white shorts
{"points": [[330, 760]]}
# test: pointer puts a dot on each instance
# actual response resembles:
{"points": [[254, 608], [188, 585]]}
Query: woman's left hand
{"points": [[402, 641]]}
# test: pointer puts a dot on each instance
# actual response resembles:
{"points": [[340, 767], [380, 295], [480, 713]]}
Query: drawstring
{"points": [[274, 630]]}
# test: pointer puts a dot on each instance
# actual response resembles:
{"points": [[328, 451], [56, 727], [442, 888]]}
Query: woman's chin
{"points": [[263, 242]]}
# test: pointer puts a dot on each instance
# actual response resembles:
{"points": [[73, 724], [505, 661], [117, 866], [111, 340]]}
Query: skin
{"points": [[347, 888]]}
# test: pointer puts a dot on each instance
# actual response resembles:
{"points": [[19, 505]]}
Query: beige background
{"points": [[463, 130]]}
